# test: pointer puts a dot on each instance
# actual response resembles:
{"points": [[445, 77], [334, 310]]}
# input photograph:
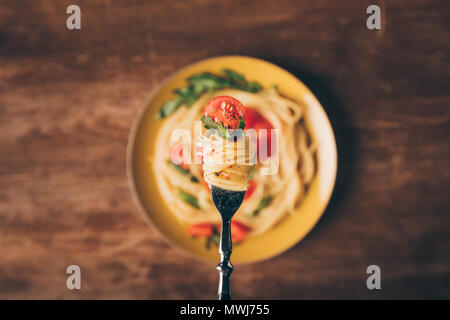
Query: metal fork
{"points": [[227, 203]]}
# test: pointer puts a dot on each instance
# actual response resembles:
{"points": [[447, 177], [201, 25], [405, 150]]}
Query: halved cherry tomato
{"points": [[250, 117], [225, 109], [176, 155], [264, 138], [251, 188], [238, 231], [201, 230], [257, 121]]}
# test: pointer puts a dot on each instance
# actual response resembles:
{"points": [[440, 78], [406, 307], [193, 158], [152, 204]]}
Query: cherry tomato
{"points": [[225, 109], [176, 155], [201, 230], [238, 231], [257, 121], [251, 188], [250, 117], [264, 138]]}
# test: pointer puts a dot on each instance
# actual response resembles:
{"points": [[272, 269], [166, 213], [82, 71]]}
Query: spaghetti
{"points": [[269, 197]]}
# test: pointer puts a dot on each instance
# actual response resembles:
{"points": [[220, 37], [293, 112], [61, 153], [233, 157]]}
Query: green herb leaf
{"points": [[186, 197], [238, 81], [252, 172], [188, 94], [216, 239], [265, 201], [208, 243], [223, 131], [253, 86], [262, 204], [183, 171], [241, 123], [169, 107], [205, 82], [209, 123], [234, 75]]}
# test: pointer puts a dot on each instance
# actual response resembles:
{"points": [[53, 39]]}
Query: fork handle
{"points": [[225, 267]]}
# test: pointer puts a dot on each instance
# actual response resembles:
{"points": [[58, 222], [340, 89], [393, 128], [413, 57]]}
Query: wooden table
{"points": [[68, 99]]}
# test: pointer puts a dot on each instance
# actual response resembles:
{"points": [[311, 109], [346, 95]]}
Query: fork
{"points": [[227, 203]]}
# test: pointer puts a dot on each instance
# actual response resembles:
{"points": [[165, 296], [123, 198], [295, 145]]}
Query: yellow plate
{"points": [[290, 230]]}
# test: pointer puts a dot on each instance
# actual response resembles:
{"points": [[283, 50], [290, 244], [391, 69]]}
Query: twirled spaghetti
{"points": [[227, 164]]}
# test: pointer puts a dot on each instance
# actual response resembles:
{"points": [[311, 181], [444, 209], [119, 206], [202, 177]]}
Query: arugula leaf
{"points": [[253, 86], [265, 201], [206, 82], [241, 123], [210, 124], [223, 131], [215, 238], [238, 81], [190, 199], [239, 132], [208, 243], [262, 204], [183, 171], [252, 172], [200, 83], [233, 75], [188, 94], [169, 107]]}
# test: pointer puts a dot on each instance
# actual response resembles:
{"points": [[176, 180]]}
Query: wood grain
{"points": [[68, 99]]}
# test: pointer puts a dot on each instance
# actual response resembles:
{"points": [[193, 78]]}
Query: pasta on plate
{"points": [[270, 197]]}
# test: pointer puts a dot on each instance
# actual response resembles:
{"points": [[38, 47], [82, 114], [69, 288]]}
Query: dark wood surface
{"points": [[68, 99]]}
